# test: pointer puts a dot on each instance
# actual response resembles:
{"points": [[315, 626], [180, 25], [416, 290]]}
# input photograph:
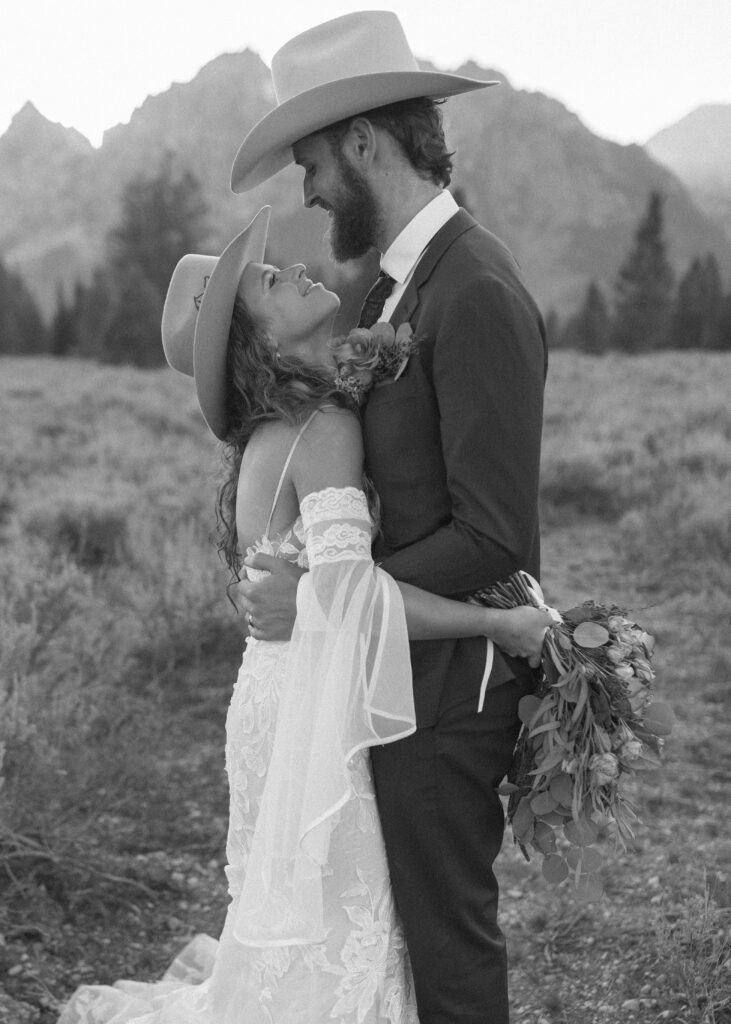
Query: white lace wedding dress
{"points": [[311, 933]]}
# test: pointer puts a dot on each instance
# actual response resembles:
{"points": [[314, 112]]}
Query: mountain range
{"points": [[566, 201], [698, 150]]}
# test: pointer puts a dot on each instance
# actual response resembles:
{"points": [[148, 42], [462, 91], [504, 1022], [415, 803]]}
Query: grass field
{"points": [[118, 651]]}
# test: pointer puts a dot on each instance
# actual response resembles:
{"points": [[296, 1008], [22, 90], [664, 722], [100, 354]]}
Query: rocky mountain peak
{"points": [[30, 130]]}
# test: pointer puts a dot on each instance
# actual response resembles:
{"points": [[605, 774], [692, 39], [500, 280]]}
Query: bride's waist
{"points": [[252, 643]]}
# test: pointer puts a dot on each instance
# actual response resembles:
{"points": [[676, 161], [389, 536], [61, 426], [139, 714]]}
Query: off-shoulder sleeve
{"points": [[347, 686]]}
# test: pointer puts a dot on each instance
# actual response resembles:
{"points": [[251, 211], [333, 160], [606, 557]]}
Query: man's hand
{"points": [[270, 604]]}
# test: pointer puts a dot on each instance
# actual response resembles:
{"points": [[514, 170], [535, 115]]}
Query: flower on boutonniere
{"points": [[369, 357]]}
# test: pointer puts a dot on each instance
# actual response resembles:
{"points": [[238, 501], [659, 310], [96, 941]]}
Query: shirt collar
{"points": [[403, 253]]}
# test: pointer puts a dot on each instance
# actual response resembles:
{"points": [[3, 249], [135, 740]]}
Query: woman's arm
{"points": [[330, 454], [517, 631]]}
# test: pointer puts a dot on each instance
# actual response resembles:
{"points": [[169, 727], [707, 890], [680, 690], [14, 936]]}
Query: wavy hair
{"points": [[417, 126], [261, 385]]}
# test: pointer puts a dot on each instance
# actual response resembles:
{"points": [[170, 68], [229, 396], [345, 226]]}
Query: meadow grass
{"points": [[117, 643]]}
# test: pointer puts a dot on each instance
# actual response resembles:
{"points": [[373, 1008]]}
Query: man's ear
{"points": [[361, 141]]}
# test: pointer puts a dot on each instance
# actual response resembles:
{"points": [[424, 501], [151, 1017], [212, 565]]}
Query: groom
{"points": [[453, 449]]}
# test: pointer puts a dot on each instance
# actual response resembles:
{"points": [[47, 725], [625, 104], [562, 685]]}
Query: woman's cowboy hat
{"points": [[197, 316], [336, 70]]}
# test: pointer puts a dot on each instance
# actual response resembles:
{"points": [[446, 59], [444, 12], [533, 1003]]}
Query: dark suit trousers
{"points": [[443, 826]]}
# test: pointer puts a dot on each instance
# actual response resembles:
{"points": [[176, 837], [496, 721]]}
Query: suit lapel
{"points": [[455, 226]]}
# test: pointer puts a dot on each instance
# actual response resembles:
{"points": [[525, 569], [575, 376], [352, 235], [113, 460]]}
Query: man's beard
{"points": [[355, 216]]}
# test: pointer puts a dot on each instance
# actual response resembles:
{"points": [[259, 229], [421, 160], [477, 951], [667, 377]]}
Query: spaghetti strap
{"points": [[278, 491]]}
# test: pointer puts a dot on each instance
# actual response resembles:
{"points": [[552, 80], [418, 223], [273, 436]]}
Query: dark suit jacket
{"points": [[453, 446]]}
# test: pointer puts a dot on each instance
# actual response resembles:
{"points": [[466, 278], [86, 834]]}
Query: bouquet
{"points": [[591, 721], [369, 357]]}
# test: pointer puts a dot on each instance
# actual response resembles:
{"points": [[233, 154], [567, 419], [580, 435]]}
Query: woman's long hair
{"points": [[260, 386]]}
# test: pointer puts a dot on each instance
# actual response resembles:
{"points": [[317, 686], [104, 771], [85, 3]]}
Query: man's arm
{"points": [[488, 373]]}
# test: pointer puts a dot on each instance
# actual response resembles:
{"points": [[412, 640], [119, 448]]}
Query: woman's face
{"points": [[297, 313]]}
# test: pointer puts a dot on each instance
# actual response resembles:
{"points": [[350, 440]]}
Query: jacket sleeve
{"points": [[488, 375]]}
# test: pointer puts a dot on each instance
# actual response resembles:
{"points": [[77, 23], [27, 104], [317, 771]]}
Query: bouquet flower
{"points": [[369, 357], [591, 721]]}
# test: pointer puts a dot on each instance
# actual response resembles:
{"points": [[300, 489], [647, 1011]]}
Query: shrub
{"points": [[90, 529]]}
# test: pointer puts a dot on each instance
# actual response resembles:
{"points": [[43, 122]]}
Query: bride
{"points": [[311, 934]]}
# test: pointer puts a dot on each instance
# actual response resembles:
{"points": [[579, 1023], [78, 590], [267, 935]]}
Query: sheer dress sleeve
{"points": [[347, 686]]}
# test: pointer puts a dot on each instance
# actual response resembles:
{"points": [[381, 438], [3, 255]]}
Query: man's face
{"points": [[333, 183]]}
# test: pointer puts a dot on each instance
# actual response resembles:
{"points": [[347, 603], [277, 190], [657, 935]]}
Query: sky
{"points": [[628, 68]]}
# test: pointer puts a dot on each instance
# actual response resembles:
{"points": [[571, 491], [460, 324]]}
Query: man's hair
{"points": [[417, 127]]}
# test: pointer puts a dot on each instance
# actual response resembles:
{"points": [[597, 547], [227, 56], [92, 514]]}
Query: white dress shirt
{"points": [[403, 254]]}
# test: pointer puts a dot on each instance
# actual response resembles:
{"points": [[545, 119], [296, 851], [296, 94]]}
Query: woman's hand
{"points": [[519, 631]]}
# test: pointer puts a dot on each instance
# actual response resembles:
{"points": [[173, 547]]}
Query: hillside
{"points": [[565, 201], [698, 150]]}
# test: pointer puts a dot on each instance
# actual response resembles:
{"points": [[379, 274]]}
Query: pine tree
{"points": [[593, 325], [163, 218], [722, 338], [697, 305], [22, 331], [644, 287], [133, 333], [64, 336], [94, 307]]}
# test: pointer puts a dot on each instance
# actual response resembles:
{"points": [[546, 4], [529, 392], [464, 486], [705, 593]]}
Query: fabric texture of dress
{"points": [[311, 934]]}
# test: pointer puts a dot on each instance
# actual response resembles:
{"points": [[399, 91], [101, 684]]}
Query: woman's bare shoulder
{"points": [[330, 453]]}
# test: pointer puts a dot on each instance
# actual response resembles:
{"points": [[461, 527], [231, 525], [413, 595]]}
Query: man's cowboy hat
{"points": [[197, 316], [336, 70]]}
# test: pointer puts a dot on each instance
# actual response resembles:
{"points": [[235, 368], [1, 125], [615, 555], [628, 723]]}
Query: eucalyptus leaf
{"points": [[578, 614], [542, 803], [544, 838], [523, 821], [582, 832], [591, 634], [591, 859], [573, 856], [562, 789], [528, 706], [556, 817], [555, 869], [658, 718]]}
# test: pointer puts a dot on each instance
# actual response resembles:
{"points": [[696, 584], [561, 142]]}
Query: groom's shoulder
{"points": [[476, 266], [474, 258], [476, 248]]}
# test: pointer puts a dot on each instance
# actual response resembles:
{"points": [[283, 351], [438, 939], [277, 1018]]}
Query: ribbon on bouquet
{"points": [[534, 587]]}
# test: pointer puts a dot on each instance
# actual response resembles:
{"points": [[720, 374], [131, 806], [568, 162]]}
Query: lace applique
{"points": [[339, 543], [289, 545], [334, 503], [337, 525]]}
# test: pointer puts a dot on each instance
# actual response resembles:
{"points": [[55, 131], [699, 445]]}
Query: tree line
{"points": [[651, 310], [116, 316]]}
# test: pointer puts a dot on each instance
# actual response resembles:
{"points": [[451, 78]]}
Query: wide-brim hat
{"points": [[336, 70], [196, 318]]}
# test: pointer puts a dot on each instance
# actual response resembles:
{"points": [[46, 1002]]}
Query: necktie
{"points": [[374, 300]]}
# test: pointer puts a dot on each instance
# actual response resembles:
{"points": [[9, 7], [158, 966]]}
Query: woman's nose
{"points": [[293, 273]]}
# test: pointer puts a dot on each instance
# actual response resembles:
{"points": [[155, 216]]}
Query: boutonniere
{"points": [[373, 356]]}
